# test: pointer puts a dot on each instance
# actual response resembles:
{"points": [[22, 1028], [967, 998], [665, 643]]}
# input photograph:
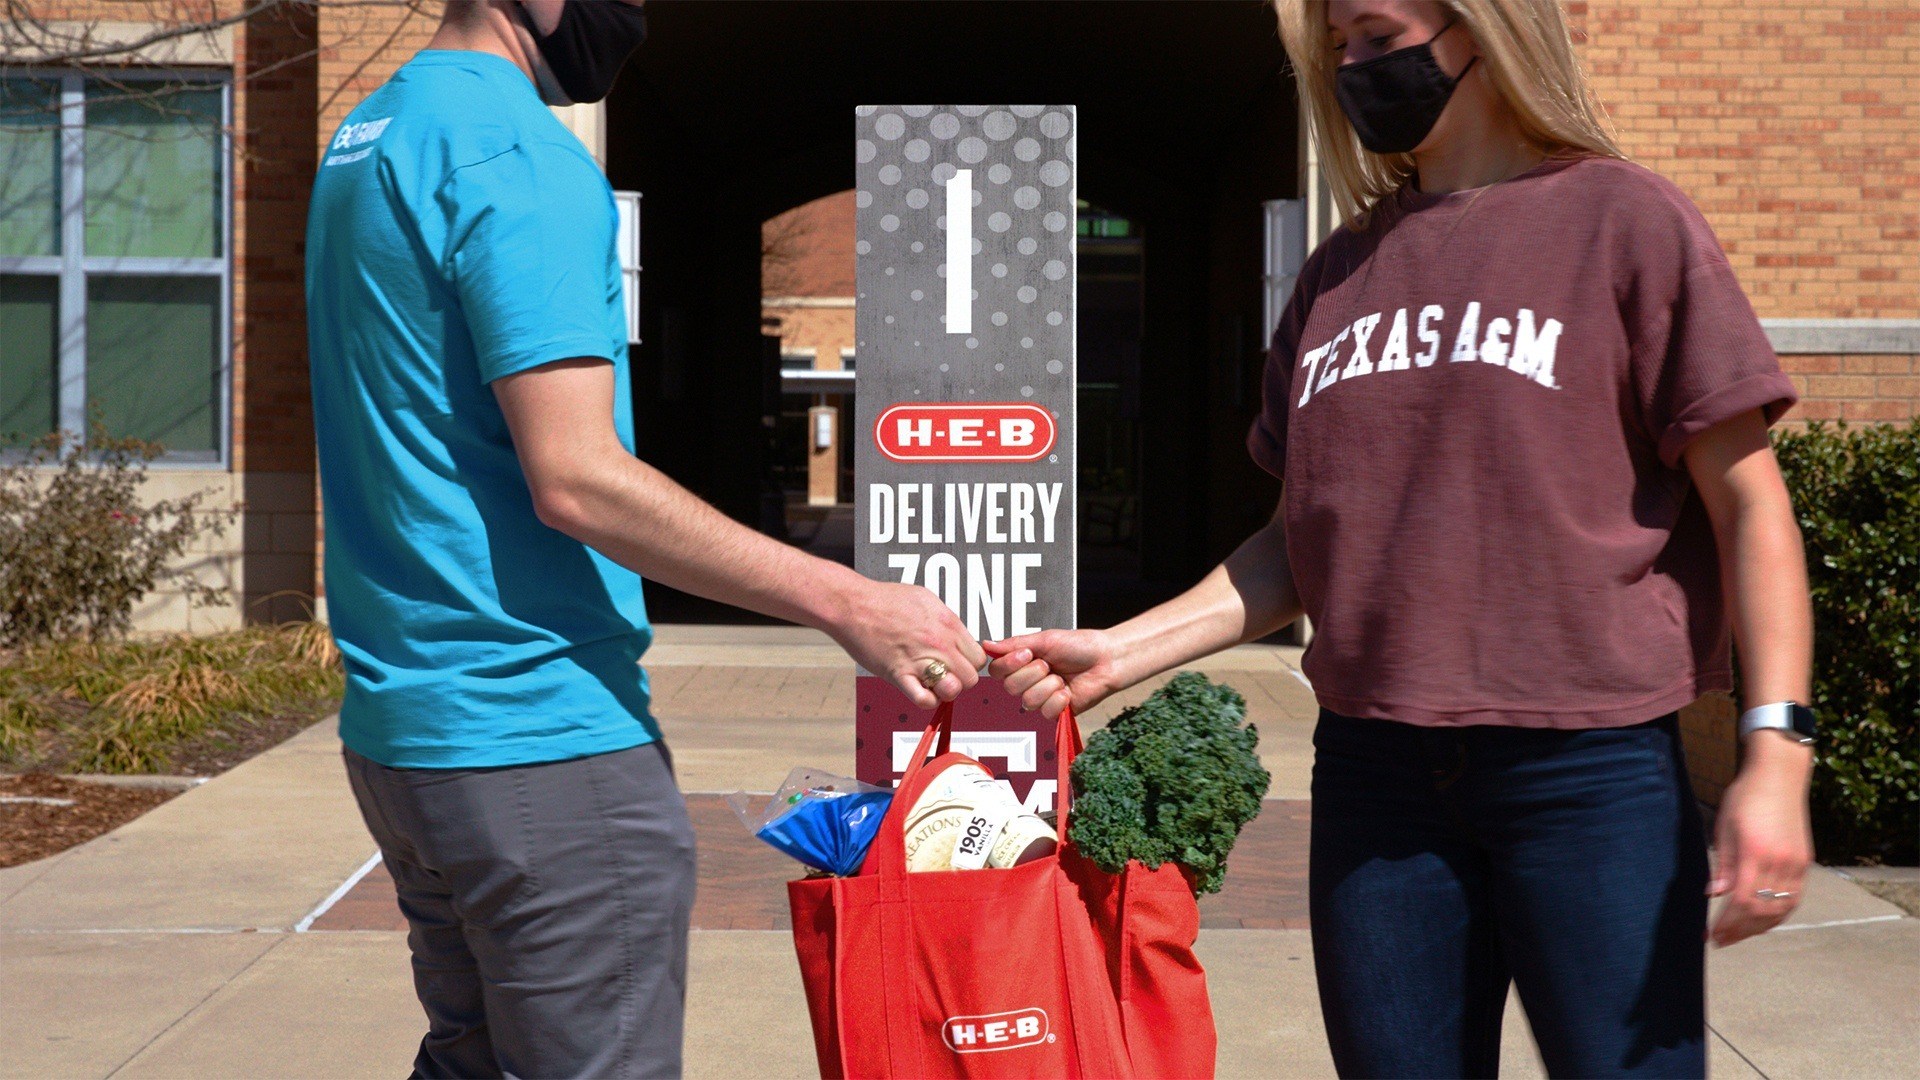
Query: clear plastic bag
{"points": [[824, 820]]}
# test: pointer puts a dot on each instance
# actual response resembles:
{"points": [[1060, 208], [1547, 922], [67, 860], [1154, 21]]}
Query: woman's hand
{"points": [[1763, 839], [1049, 670]]}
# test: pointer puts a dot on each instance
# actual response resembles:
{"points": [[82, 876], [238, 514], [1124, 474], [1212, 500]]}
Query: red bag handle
{"points": [[1067, 745], [888, 855]]}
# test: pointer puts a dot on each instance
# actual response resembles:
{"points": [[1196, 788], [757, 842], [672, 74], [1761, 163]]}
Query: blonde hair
{"points": [[1524, 48]]}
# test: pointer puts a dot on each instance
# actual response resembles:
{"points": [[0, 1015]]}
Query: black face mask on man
{"points": [[1393, 100], [589, 44]]}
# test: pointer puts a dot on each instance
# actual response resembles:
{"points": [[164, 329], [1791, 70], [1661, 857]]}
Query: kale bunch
{"points": [[1172, 779]]}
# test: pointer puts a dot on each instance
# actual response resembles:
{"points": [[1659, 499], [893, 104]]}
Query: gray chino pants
{"points": [[548, 908]]}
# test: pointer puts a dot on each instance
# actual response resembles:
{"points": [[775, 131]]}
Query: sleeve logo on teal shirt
{"points": [[352, 135]]}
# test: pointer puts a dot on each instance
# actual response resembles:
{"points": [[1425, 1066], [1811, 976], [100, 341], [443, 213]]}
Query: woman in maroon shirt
{"points": [[1519, 406]]}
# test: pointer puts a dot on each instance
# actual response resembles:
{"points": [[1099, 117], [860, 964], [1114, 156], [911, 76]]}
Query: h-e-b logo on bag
{"points": [[997, 1031]]}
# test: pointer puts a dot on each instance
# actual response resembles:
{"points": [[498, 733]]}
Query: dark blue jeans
{"points": [[1448, 862]]}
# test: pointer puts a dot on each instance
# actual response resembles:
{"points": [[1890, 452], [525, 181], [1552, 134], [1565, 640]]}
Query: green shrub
{"points": [[1857, 493], [78, 547]]}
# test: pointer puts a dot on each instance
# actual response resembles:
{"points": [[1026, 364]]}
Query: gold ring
{"points": [[933, 673]]}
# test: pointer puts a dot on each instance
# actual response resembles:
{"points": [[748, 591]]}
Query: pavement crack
{"points": [[1757, 1070], [197, 1006]]}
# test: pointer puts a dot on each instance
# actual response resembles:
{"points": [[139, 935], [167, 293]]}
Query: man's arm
{"points": [[585, 484], [1763, 839]]}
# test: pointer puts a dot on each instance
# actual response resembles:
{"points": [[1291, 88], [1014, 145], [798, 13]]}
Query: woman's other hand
{"points": [[1763, 841]]}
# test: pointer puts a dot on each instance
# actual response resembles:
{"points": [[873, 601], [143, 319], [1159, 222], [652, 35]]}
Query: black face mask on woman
{"points": [[1394, 99], [589, 44]]}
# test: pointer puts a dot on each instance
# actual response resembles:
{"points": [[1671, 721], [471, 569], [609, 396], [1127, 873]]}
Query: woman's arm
{"points": [[1763, 837], [1248, 596]]}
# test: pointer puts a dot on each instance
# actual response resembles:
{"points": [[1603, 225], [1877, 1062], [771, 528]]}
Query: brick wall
{"points": [[1871, 388], [1792, 126], [1794, 129], [273, 449], [361, 46], [808, 252]]}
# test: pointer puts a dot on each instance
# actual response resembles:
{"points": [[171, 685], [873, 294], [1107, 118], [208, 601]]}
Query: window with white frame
{"points": [[114, 258]]}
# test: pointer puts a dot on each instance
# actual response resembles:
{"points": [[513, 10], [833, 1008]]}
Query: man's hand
{"points": [[1762, 838], [1055, 668], [896, 630]]}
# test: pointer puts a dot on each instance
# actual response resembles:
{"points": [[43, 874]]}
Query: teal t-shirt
{"points": [[459, 233]]}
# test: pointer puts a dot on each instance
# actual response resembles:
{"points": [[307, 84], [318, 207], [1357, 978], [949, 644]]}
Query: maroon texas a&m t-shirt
{"points": [[1478, 406]]}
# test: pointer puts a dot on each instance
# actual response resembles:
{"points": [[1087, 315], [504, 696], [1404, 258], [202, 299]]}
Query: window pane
{"points": [[153, 364], [153, 170], [29, 167], [29, 359]]}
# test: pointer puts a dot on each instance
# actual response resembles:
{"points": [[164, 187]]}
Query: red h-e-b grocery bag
{"points": [[1051, 968]]}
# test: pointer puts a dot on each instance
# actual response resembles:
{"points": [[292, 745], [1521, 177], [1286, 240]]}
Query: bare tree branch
{"points": [[26, 37]]}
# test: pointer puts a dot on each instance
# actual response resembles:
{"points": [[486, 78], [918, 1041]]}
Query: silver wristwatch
{"points": [[1790, 718]]}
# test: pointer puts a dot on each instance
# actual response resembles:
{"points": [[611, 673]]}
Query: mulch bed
{"points": [[34, 830], [209, 754], [217, 751]]}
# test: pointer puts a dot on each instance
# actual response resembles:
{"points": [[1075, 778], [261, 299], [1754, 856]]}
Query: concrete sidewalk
{"points": [[177, 946]]}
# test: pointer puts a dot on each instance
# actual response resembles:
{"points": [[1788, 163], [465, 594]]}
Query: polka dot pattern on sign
{"points": [[1021, 159]]}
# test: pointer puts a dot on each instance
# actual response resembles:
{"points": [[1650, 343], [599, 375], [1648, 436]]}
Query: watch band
{"points": [[1790, 718]]}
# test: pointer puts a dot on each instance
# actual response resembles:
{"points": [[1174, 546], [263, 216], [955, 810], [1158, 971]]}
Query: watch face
{"points": [[1802, 719]]}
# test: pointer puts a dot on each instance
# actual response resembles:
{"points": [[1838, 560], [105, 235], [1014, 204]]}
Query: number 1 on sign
{"points": [[960, 252]]}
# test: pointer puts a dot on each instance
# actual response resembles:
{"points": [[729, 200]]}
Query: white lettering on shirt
{"points": [[1533, 352], [1466, 346], [1431, 338], [352, 135], [1393, 356], [1522, 345], [1361, 364], [1311, 361], [1493, 348]]}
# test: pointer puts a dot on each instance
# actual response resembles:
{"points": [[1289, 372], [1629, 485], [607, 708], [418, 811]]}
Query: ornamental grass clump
{"points": [[1173, 779], [127, 706]]}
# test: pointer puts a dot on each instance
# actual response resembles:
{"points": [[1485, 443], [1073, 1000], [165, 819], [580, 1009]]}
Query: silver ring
{"points": [[1769, 894], [933, 673]]}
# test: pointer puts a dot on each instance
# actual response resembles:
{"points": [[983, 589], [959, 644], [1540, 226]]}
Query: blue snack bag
{"points": [[824, 820]]}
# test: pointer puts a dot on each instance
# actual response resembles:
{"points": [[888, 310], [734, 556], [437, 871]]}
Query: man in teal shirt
{"points": [[486, 526]]}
